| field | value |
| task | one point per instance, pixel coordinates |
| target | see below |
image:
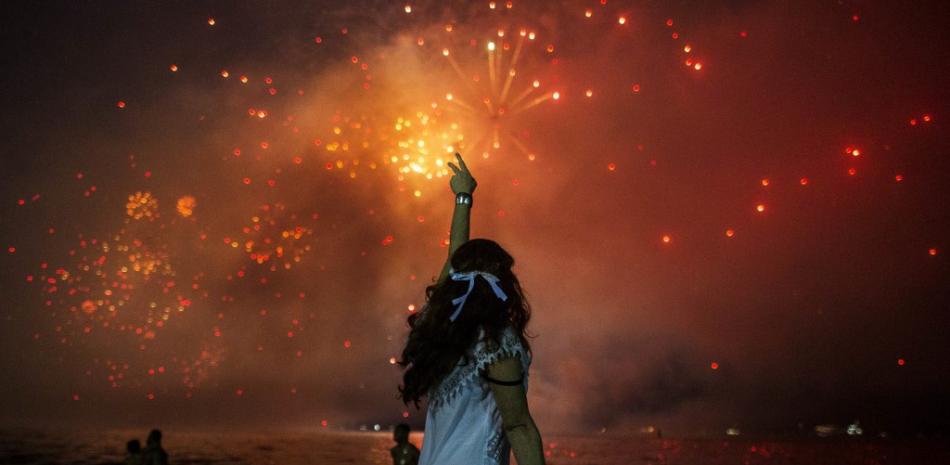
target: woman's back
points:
(463, 424)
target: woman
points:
(468, 355)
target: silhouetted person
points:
(133, 454)
(404, 452)
(468, 353)
(154, 454)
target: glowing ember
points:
(142, 205)
(186, 206)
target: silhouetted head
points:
(436, 343)
(154, 438)
(133, 446)
(401, 433)
(482, 255)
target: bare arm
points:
(462, 181)
(512, 403)
(461, 219)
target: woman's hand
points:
(462, 180)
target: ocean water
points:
(48, 447)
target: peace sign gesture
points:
(462, 181)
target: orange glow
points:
(186, 206)
(142, 205)
(125, 286)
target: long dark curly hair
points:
(437, 344)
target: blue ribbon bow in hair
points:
(470, 276)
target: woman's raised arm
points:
(463, 185)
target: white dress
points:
(463, 424)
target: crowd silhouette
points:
(153, 454)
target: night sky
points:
(726, 215)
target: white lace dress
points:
(463, 424)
